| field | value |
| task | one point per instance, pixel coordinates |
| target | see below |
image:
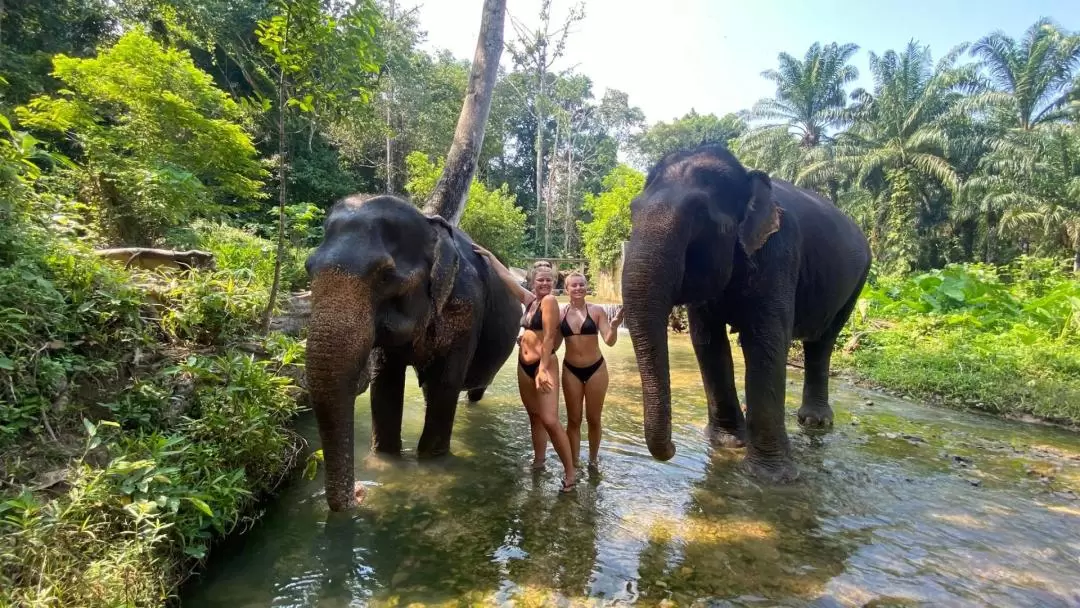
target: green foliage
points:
(176, 445)
(491, 217)
(325, 59)
(1003, 339)
(691, 130)
(604, 234)
(122, 530)
(159, 143)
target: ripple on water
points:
(901, 504)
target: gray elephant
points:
(773, 261)
(392, 287)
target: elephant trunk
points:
(340, 338)
(652, 273)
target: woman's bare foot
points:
(568, 484)
(538, 465)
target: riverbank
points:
(142, 416)
(1002, 340)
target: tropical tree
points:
(158, 142)
(1033, 77)
(809, 99)
(691, 130)
(897, 149)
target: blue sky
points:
(709, 54)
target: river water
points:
(901, 505)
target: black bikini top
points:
(588, 326)
(535, 322)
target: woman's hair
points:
(575, 273)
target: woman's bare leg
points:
(574, 394)
(595, 392)
(527, 389)
(547, 408)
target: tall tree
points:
(809, 93)
(536, 51)
(1035, 75)
(809, 100)
(318, 58)
(692, 129)
(448, 200)
(897, 146)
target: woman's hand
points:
(617, 318)
(543, 381)
(483, 252)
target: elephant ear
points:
(444, 268)
(762, 217)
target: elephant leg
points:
(815, 412)
(476, 394)
(727, 426)
(768, 453)
(441, 382)
(438, 420)
(387, 401)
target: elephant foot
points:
(818, 418)
(771, 471)
(662, 452)
(344, 501)
(723, 438)
(432, 450)
(476, 394)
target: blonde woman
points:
(586, 379)
(538, 367)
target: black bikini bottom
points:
(584, 373)
(530, 368)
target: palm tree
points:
(810, 96)
(1044, 188)
(809, 93)
(1034, 76)
(898, 147)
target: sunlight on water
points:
(901, 504)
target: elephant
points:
(773, 261)
(392, 287)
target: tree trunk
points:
(551, 192)
(1076, 256)
(448, 199)
(282, 167)
(539, 142)
(568, 220)
(390, 123)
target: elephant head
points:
(701, 214)
(383, 271)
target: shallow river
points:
(901, 505)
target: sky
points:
(673, 55)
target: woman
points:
(586, 379)
(538, 367)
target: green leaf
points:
(200, 505)
(6, 364)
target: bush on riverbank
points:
(1001, 339)
(136, 421)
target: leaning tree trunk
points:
(448, 199)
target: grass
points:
(1005, 340)
(140, 417)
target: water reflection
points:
(900, 505)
